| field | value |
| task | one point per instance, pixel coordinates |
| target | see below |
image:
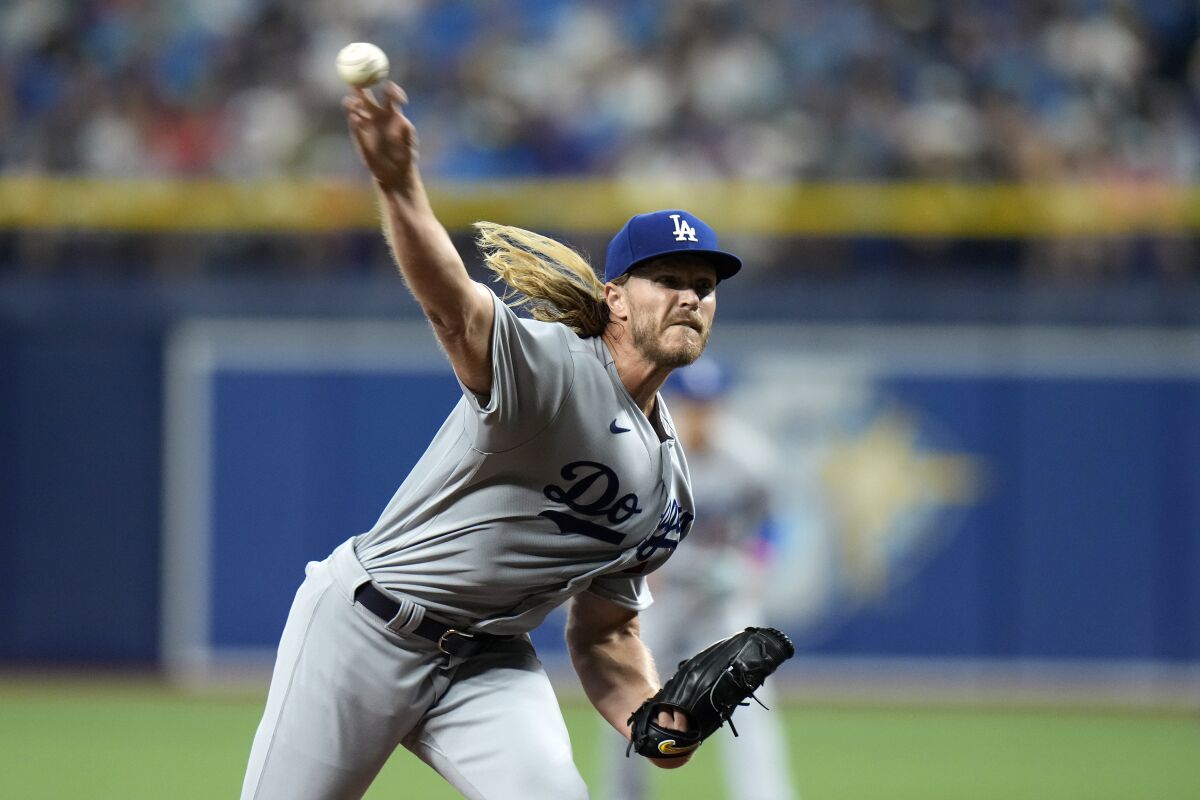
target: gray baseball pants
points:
(346, 691)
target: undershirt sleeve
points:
(627, 591)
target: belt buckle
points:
(441, 642)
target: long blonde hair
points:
(553, 281)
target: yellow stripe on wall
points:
(896, 209)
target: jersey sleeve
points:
(627, 591)
(532, 370)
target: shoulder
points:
(530, 340)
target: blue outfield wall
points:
(80, 447)
(301, 461)
(1080, 538)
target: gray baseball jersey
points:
(554, 484)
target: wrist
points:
(407, 190)
(670, 763)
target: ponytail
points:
(554, 282)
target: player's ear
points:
(614, 298)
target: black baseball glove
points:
(708, 687)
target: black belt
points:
(449, 640)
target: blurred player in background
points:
(715, 583)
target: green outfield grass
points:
(132, 741)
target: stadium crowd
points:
(775, 90)
(859, 89)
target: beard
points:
(647, 338)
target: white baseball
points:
(362, 64)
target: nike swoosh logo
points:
(669, 748)
(613, 427)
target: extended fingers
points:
(393, 92)
(364, 100)
(356, 110)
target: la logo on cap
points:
(661, 233)
(683, 231)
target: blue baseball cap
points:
(703, 381)
(662, 233)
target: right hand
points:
(386, 139)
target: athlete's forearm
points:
(424, 254)
(387, 142)
(460, 309)
(616, 672)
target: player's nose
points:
(689, 298)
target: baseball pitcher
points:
(557, 477)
